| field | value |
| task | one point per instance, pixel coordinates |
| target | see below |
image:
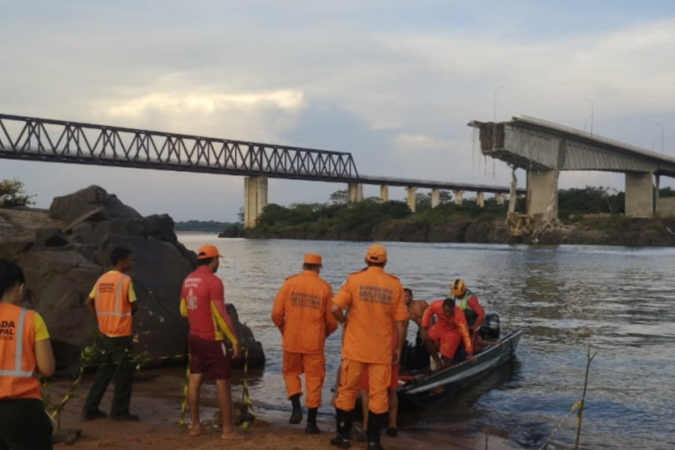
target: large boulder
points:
(94, 203)
(63, 263)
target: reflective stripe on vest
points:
(17, 372)
(118, 296)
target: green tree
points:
(12, 194)
(339, 197)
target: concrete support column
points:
(458, 197)
(411, 197)
(541, 186)
(255, 199)
(639, 194)
(355, 191)
(480, 199)
(435, 197)
(501, 198)
(384, 193)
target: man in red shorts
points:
(447, 333)
(203, 303)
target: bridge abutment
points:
(255, 199)
(435, 197)
(480, 199)
(384, 193)
(411, 197)
(355, 192)
(639, 194)
(542, 186)
(459, 196)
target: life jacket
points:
(113, 309)
(17, 353)
(470, 315)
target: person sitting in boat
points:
(445, 335)
(416, 308)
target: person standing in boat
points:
(376, 311)
(302, 312)
(469, 304)
(446, 334)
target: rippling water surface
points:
(620, 300)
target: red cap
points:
(376, 253)
(208, 251)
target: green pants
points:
(24, 425)
(116, 365)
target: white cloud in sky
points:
(394, 83)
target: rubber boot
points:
(375, 424)
(312, 428)
(296, 415)
(344, 428)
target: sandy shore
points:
(157, 400)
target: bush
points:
(12, 194)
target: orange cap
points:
(313, 258)
(376, 253)
(208, 251)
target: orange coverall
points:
(375, 302)
(302, 313)
(448, 331)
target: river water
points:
(620, 300)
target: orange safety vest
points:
(17, 353)
(113, 309)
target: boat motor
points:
(489, 329)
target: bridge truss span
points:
(27, 138)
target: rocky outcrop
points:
(63, 263)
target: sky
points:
(393, 82)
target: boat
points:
(430, 389)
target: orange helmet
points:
(458, 288)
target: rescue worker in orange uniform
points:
(445, 335)
(302, 312)
(468, 303)
(376, 311)
(24, 351)
(113, 302)
(203, 303)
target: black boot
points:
(296, 415)
(344, 428)
(375, 424)
(312, 428)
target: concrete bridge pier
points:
(411, 197)
(459, 195)
(480, 199)
(355, 192)
(255, 199)
(541, 186)
(384, 193)
(435, 197)
(501, 198)
(639, 194)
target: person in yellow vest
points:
(113, 302)
(24, 350)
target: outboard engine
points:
(490, 329)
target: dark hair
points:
(204, 261)
(11, 275)
(311, 266)
(449, 303)
(376, 264)
(409, 291)
(119, 254)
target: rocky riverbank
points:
(597, 230)
(65, 249)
